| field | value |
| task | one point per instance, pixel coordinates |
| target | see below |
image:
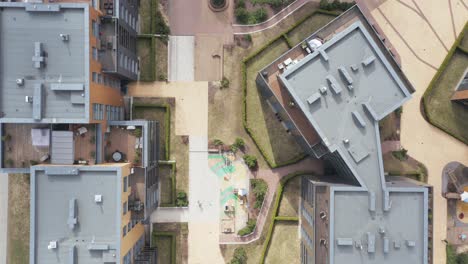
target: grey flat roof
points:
(362, 88)
(53, 70)
(53, 190)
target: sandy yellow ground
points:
(421, 32)
(191, 103)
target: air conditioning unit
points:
(28, 99)
(20, 81)
(98, 198)
(65, 37)
(52, 245)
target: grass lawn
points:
(146, 59)
(180, 231)
(285, 244)
(163, 245)
(18, 218)
(166, 184)
(289, 205)
(309, 26)
(179, 151)
(388, 127)
(161, 59)
(278, 145)
(221, 110)
(145, 16)
(445, 114)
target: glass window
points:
(129, 226)
(94, 76)
(95, 53)
(125, 183)
(125, 208)
(124, 231)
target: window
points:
(125, 183)
(94, 76)
(98, 111)
(129, 226)
(95, 53)
(94, 4)
(95, 28)
(124, 231)
(125, 209)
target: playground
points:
(234, 177)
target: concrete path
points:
(170, 215)
(181, 58)
(204, 206)
(192, 120)
(3, 217)
(420, 31)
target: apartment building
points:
(330, 92)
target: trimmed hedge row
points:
(442, 67)
(173, 243)
(287, 218)
(173, 184)
(271, 163)
(278, 198)
(167, 124)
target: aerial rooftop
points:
(79, 208)
(44, 73)
(344, 88)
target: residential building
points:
(330, 92)
(64, 119)
(87, 214)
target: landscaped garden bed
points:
(438, 108)
(170, 240)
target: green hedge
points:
(173, 184)
(279, 196)
(244, 63)
(167, 122)
(287, 218)
(173, 242)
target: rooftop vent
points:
(72, 214)
(323, 90)
(382, 230)
(98, 198)
(28, 99)
(323, 215)
(346, 141)
(20, 81)
(64, 37)
(410, 243)
(38, 59)
(52, 245)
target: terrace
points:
(127, 141)
(26, 145)
(137, 196)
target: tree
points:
(250, 160)
(259, 15)
(181, 200)
(224, 83)
(239, 257)
(239, 142)
(242, 15)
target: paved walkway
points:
(272, 21)
(390, 145)
(272, 178)
(3, 217)
(181, 58)
(422, 51)
(170, 215)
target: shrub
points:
(6, 137)
(137, 132)
(234, 148)
(224, 83)
(250, 160)
(162, 77)
(218, 142)
(399, 111)
(251, 223)
(400, 154)
(259, 189)
(242, 15)
(248, 37)
(160, 25)
(240, 4)
(335, 5)
(239, 142)
(182, 200)
(240, 256)
(259, 15)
